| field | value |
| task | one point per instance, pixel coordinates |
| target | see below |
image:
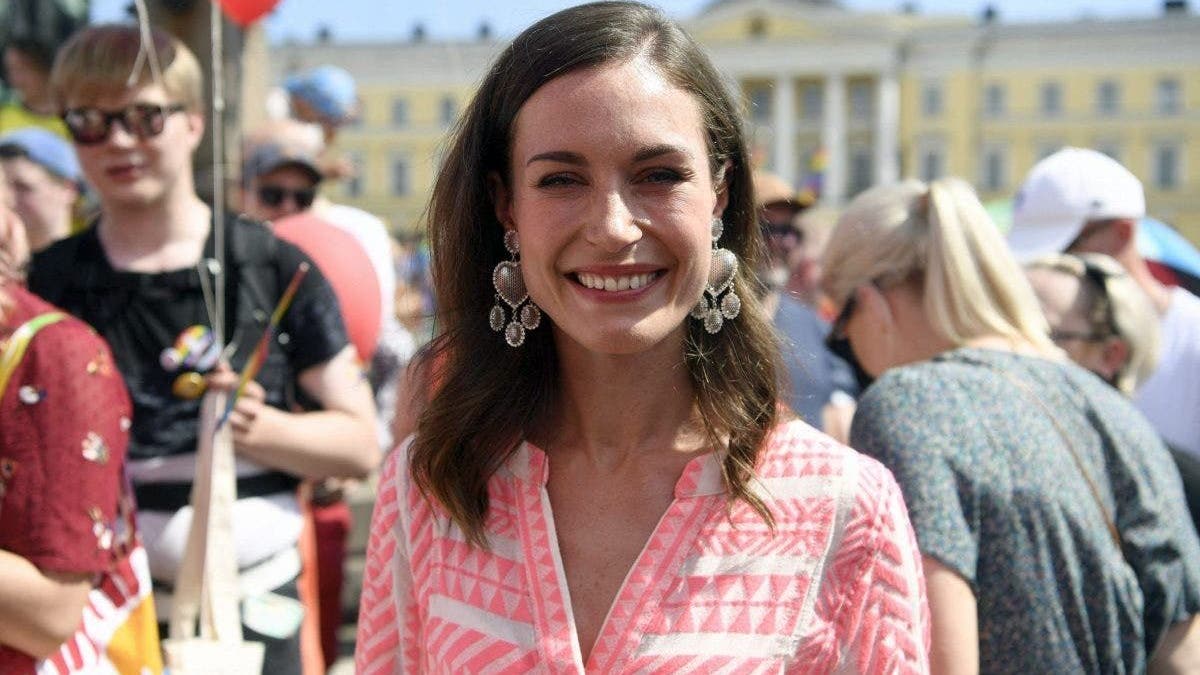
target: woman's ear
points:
(1114, 356)
(876, 304)
(721, 187)
(501, 200)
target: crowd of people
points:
(662, 412)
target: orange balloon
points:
(344, 263)
(246, 12)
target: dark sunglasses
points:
(273, 196)
(780, 230)
(837, 330)
(1104, 324)
(89, 126)
(839, 344)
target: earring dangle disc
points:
(719, 303)
(511, 291)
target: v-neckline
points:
(700, 478)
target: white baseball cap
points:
(1064, 192)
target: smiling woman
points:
(615, 487)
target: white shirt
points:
(1171, 397)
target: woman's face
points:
(1065, 307)
(612, 197)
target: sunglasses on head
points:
(89, 126)
(1102, 321)
(779, 230)
(273, 196)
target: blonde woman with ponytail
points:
(1050, 519)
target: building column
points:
(887, 128)
(833, 140)
(783, 124)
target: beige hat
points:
(771, 189)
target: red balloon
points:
(246, 12)
(344, 263)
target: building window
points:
(995, 172)
(860, 170)
(1108, 98)
(931, 99)
(760, 103)
(932, 165)
(1168, 96)
(448, 111)
(812, 101)
(757, 27)
(860, 100)
(1166, 166)
(354, 182)
(401, 184)
(995, 100)
(1050, 98)
(1047, 148)
(400, 113)
(1109, 148)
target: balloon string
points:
(216, 21)
(147, 52)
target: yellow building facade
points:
(845, 99)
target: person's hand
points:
(250, 418)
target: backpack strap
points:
(18, 343)
(252, 285)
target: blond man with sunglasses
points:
(144, 275)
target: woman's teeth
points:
(603, 282)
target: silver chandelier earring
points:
(510, 289)
(719, 303)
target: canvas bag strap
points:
(1074, 451)
(18, 343)
(206, 588)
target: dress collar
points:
(701, 476)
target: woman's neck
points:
(617, 408)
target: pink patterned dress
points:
(836, 587)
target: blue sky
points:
(394, 19)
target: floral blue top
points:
(995, 494)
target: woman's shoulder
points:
(797, 455)
(60, 342)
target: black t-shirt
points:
(141, 315)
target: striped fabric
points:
(837, 587)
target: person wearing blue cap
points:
(325, 95)
(43, 174)
(327, 98)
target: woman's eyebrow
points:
(660, 150)
(564, 156)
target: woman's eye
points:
(663, 176)
(557, 180)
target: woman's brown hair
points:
(487, 394)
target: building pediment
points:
(782, 20)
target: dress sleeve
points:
(910, 424)
(884, 624)
(1158, 540)
(388, 623)
(76, 410)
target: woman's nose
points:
(614, 226)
